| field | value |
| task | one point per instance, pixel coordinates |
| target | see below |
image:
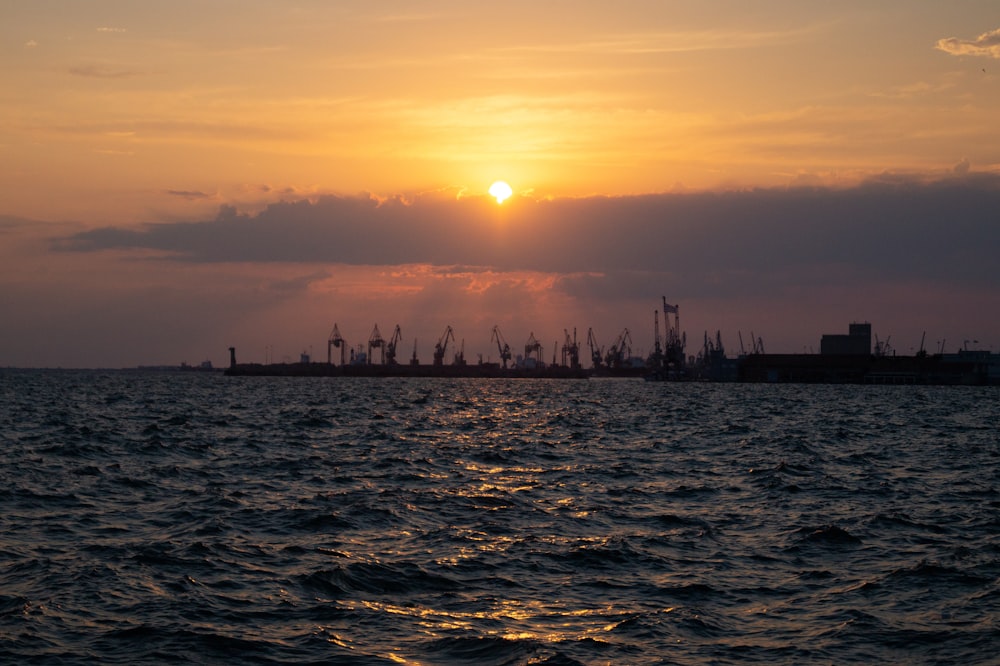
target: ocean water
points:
(196, 518)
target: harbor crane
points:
(713, 348)
(668, 359)
(442, 345)
(655, 359)
(571, 351)
(657, 345)
(390, 347)
(336, 340)
(620, 350)
(596, 351)
(502, 347)
(675, 341)
(533, 346)
(882, 347)
(376, 341)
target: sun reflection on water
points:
(548, 622)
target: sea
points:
(194, 518)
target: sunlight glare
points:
(500, 191)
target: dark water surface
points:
(165, 518)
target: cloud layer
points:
(986, 44)
(891, 229)
(785, 264)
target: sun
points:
(500, 191)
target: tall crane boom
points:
(533, 346)
(442, 345)
(596, 351)
(657, 347)
(571, 351)
(502, 347)
(390, 347)
(674, 341)
(620, 350)
(335, 340)
(376, 341)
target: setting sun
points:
(500, 191)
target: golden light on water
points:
(532, 620)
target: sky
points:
(177, 179)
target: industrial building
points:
(858, 341)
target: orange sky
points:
(124, 114)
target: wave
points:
(202, 518)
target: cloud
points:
(30, 44)
(12, 222)
(190, 194)
(102, 72)
(786, 264)
(659, 42)
(299, 283)
(986, 44)
(109, 29)
(175, 130)
(889, 229)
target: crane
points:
(657, 346)
(713, 348)
(571, 351)
(336, 340)
(502, 347)
(375, 341)
(442, 345)
(882, 347)
(533, 346)
(655, 360)
(390, 347)
(675, 341)
(620, 350)
(596, 351)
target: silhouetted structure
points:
(843, 359)
(858, 341)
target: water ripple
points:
(189, 517)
